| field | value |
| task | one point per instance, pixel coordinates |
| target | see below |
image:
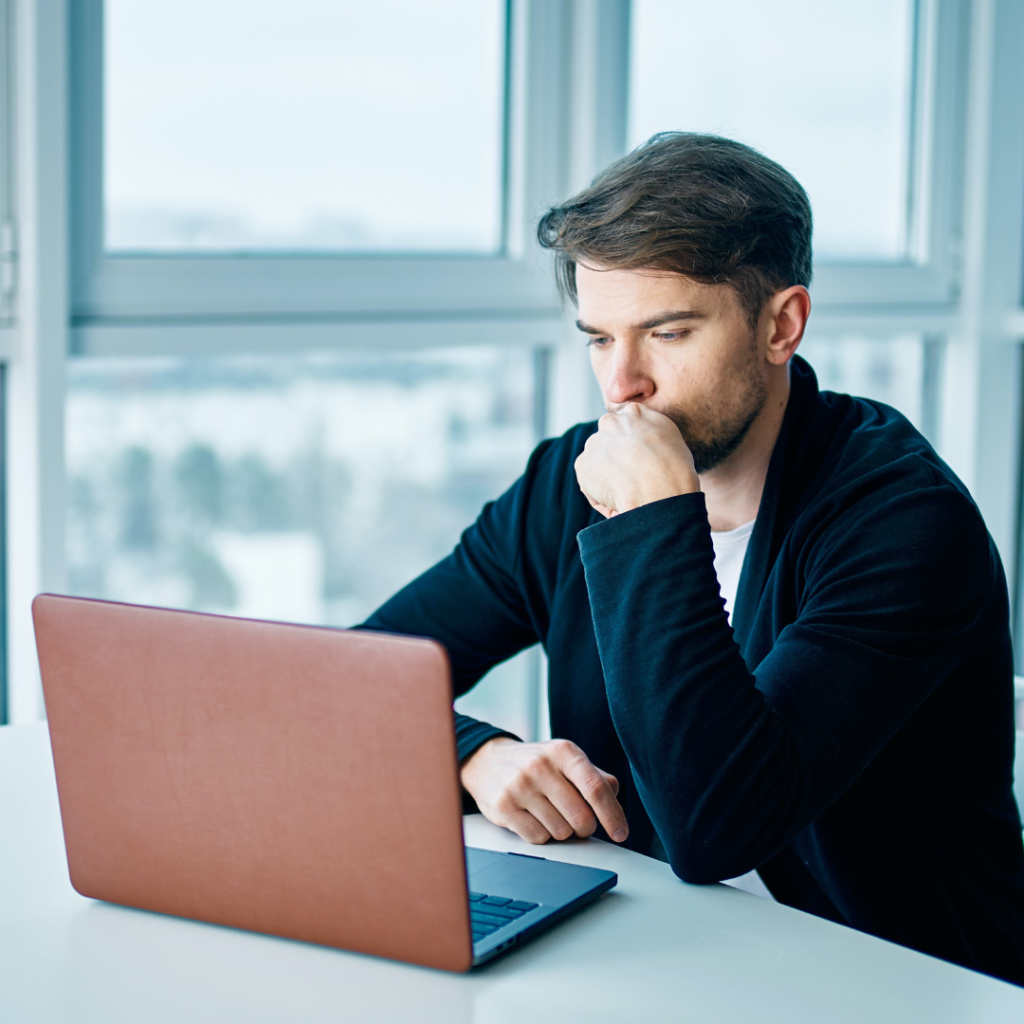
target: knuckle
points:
(506, 804)
(518, 791)
(582, 820)
(587, 828)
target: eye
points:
(598, 340)
(672, 335)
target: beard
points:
(711, 435)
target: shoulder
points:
(893, 512)
(881, 455)
(837, 448)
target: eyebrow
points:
(668, 317)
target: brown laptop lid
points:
(285, 779)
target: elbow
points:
(697, 867)
(711, 843)
(707, 860)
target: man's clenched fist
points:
(637, 456)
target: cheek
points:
(704, 386)
(725, 371)
(687, 379)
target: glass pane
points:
(889, 370)
(822, 88)
(304, 125)
(294, 489)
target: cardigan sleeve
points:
(732, 764)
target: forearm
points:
(715, 766)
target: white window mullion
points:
(35, 413)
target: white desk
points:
(653, 949)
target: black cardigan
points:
(851, 736)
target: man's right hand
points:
(543, 790)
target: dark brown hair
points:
(700, 205)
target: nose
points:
(627, 379)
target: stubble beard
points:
(712, 438)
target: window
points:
(320, 208)
(824, 89)
(304, 488)
(255, 126)
(318, 197)
(861, 102)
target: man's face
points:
(682, 348)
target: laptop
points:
(292, 780)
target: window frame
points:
(8, 282)
(133, 303)
(928, 280)
(128, 304)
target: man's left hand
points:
(637, 456)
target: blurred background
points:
(274, 325)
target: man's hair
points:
(700, 205)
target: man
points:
(838, 715)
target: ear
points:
(783, 322)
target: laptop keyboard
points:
(488, 914)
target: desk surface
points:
(653, 949)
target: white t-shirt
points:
(730, 548)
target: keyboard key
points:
(505, 912)
(489, 914)
(498, 922)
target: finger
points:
(550, 816)
(603, 509)
(554, 800)
(583, 483)
(611, 780)
(594, 503)
(526, 826)
(572, 808)
(599, 794)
